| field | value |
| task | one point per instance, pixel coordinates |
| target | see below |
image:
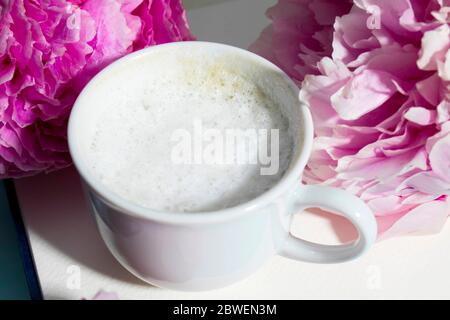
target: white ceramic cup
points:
(201, 251)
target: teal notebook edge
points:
(18, 277)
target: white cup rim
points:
(127, 207)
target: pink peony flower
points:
(381, 107)
(49, 50)
(377, 79)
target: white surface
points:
(64, 240)
(66, 243)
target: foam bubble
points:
(131, 150)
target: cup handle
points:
(338, 201)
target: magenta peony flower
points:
(301, 34)
(49, 50)
(381, 107)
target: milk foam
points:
(130, 151)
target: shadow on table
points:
(55, 209)
(69, 227)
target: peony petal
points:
(429, 183)
(430, 89)
(380, 168)
(444, 67)
(421, 116)
(419, 198)
(440, 159)
(385, 204)
(427, 218)
(325, 12)
(352, 35)
(399, 61)
(443, 112)
(114, 36)
(363, 93)
(435, 44)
